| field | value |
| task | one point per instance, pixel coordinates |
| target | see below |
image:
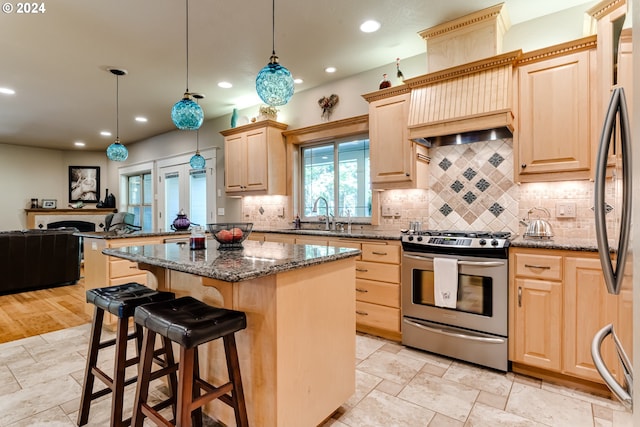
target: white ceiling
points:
(56, 61)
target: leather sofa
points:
(36, 259)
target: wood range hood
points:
(468, 94)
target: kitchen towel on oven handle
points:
(445, 282)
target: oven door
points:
(482, 292)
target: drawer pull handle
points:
(364, 291)
(543, 267)
(362, 270)
(133, 267)
(378, 253)
(519, 296)
(362, 313)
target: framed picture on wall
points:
(49, 204)
(84, 184)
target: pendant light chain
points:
(273, 26)
(187, 38)
(117, 107)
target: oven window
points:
(475, 293)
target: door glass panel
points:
(171, 198)
(198, 196)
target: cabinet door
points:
(390, 148)
(587, 308)
(256, 160)
(554, 124)
(234, 162)
(538, 323)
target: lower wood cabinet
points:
(558, 301)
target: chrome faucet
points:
(315, 209)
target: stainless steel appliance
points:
(473, 327)
(615, 143)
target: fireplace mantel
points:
(39, 218)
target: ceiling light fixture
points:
(7, 91)
(298, 81)
(274, 83)
(330, 69)
(105, 133)
(197, 161)
(370, 26)
(141, 119)
(225, 85)
(116, 151)
(186, 113)
(79, 144)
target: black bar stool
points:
(120, 301)
(190, 323)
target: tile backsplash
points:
(471, 187)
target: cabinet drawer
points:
(378, 292)
(378, 272)
(381, 253)
(138, 278)
(378, 316)
(311, 241)
(346, 243)
(136, 242)
(539, 266)
(123, 267)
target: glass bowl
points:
(230, 235)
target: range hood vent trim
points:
(473, 97)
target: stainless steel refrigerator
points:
(612, 207)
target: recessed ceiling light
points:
(370, 26)
(330, 69)
(225, 85)
(105, 133)
(298, 81)
(7, 91)
(79, 144)
(141, 119)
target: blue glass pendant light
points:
(116, 151)
(274, 82)
(186, 113)
(197, 161)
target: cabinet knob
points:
(524, 165)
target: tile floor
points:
(41, 377)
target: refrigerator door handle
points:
(613, 276)
(623, 393)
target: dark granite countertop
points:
(561, 243)
(255, 259)
(108, 235)
(355, 233)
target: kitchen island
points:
(298, 351)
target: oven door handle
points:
(467, 263)
(450, 333)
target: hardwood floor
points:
(32, 313)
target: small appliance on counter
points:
(537, 228)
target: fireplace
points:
(83, 226)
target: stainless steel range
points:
(455, 295)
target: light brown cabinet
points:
(558, 302)
(255, 159)
(555, 138)
(396, 161)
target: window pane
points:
(148, 195)
(147, 219)
(318, 178)
(172, 199)
(354, 189)
(134, 190)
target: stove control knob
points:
(410, 238)
(494, 242)
(419, 238)
(482, 242)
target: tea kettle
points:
(537, 228)
(181, 223)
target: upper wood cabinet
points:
(255, 159)
(556, 132)
(396, 162)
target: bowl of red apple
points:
(230, 235)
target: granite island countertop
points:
(255, 259)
